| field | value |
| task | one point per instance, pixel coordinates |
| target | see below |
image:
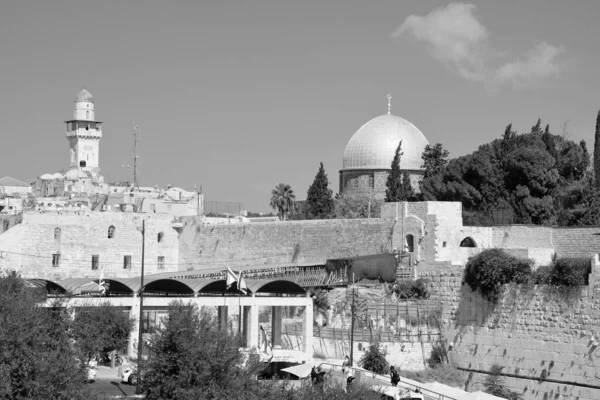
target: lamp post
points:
(138, 389)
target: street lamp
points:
(138, 389)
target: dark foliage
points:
(439, 354)
(357, 205)
(435, 158)
(37, 360)
(319, 198)
(489, 270)
(374, 359)
(597, 152)
(102, 328)
(418, 289)
(529, 174)
(394, 188)
(571, 271)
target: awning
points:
(377, 266)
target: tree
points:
(357, 205)
(374, 359)
(597, 152)
(393, 191)
(37, 360)
(494, 385)
(537, 128)
(408, 193)
(282, 200)
(101, 328)
(319, 199)
(435, 158)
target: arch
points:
(468, 242)
(50, 286)
(160, 237)
(409, 243)
(274, 286)
(111, 232)
(57, 232)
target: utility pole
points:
(352, 309)
(136, 139)
(138, 389)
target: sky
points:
(238, 96)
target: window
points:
(56, 260)
(160, 236)
(82, 163)
(87, 115)
(95, 261)
(410, 243)
(161, 262)
(111, 232)
(126, 262)
(6, 224)
(57, 234)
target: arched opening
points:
(160, 237)
(82, 163)
(468, 242)
(409, 244)
(57, 232)
(111, 232)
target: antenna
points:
(389, 96)
(136, 139)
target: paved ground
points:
(107, 382)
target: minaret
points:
(84, 134)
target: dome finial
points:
(389, 96)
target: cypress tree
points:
(393, 191)
(597, 153)
(319, 198)
(537, 128)
(547, 128)
(408, 194)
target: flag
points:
(242, 287)
(231, 277)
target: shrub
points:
(494, 385)
(374, 359)
(571, 271)
(542, 275)
(439, 354)
(489, 270)
(446, 374)
(418, 289)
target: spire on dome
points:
(84, 95)
(389, 96)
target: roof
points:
(373, 146)
(9, 181)
(84, 95)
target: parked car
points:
(130, 375)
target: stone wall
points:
(301, 242)
(545, 339)
(29, 246)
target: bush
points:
(571, 271)
(374, 359)
(439, 354)
(489, 270)
(446, 374)
(542, 275)
(418, 289)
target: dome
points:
(84, 95)
(374, 144)
(75, 174)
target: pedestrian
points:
(394, 376)
(349, 381)
(345, 364)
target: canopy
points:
(301, 371)
(377, 266)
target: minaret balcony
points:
(82, 132)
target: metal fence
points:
(222, 207)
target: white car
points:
(91, 370)
(130, 375)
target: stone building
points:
(369, 153)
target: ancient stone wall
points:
(301, 242)
(546, 339)
(29, 247)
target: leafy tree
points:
(36, 358)
(319, 199)
(374, 359)
(101, 328)
(394, 191)
(597, 152)
(282, 200)
(357, 205)
(435, 158)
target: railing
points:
(382, 380)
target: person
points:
(394, 376)
(313, 375)
(345, 364)
(349, 381)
